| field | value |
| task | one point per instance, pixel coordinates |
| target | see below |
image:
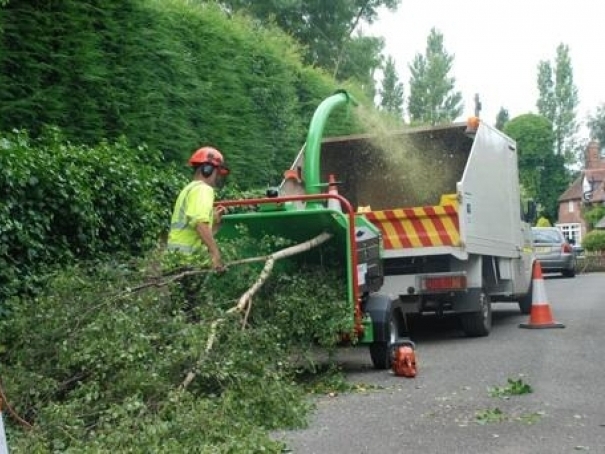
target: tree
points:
(502, 118)
(432, 97)
(542, 172)
(362, 56)
(596, 124)
(391, 95)
(558, 100)
(325, 27)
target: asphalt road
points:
(448, 407)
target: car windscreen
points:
(547, 236)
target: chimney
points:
(593, 156)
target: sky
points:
(497, 46)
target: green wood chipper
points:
(422, 220)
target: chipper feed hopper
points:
(303, 208)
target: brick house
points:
(588, 188)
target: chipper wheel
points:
(389, 328)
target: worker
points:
(195, 220)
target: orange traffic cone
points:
(540, 315)
(333, 204)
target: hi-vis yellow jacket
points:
(193, 205)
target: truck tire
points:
(380, 351)
(479, 323)
(526, 300)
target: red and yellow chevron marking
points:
(417, 227)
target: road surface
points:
(448, 407)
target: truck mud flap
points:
(468, 301)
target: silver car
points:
(553, 251)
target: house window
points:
(570, 206)
(572, 231)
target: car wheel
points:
(571, 271)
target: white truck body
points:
(447, 202)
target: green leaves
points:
(594, 241)
(490, 416)
(558, 101)
(542, 172)
(433, 98)
(169, 74)
(62, 201)
(96, 368)
(496, 415)
(391, 95)
(512, 388)
(596, 123)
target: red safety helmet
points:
(209, 156)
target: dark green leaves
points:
(62, 201)
(433, 98)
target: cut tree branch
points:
(245, 302)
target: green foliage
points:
(593, 215)
(97, 368)
(169, 74)
(558, 100)
(542, 172)
(391, 95)
(543, 222)
(63, 202)
(594, 241)
(432, 97)
(360, 58)
(490, 416)
(512, 388)
(502, 118)
(496, 415)
(326, 31)
(596, 124)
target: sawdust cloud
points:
(404, 170)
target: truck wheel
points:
(526, 300)
(478, 324)
(380, 351)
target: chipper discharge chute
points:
(307, 205)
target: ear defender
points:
(207, 169)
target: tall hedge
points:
(171, 74)
(63, 202)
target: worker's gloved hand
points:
(217, 264)
(219, 211)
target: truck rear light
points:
(442, 283)
(566, 248)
